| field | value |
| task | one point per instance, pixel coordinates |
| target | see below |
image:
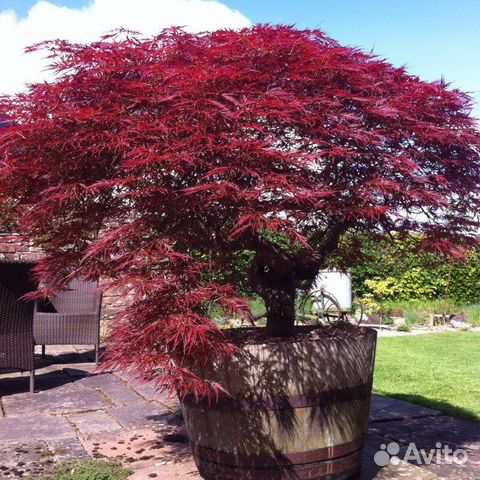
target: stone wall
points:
(11, 248)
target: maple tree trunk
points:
(271, 276)
(280, 303)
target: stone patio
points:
(75, 414)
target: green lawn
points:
(440, 371)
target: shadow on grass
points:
(439, 405)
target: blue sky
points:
(432, 37)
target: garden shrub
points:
(386, 289)
(412, 317)
(397, 271)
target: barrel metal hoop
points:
(277, 459)
(328, 397)
(337, 468)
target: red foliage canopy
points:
(154, 161)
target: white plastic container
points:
(337, 284)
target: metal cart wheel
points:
(319, 306)
(303, 309)
(328, 307)
(358, 317)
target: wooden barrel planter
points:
(297, 409)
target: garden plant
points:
(156, 163)
(393, 279)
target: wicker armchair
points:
(16, 318)
(72, 318)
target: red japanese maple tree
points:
(154, 161)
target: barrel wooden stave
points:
(251, 433)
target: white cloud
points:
(46, 21)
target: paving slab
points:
(121, 394)
(98, 380)
(57, 401)
(438, 468)
(113, 387)
(147, 391)
(33, 428)
(456, 432)
(429, 433)
(18, 459)
(144, 414)
(141, 448)
(402, 470)
(385, 408)
(78, 371)
(66, 450)
(93, 423)
(34, 458)
(169, 401)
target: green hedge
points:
(397, 271)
